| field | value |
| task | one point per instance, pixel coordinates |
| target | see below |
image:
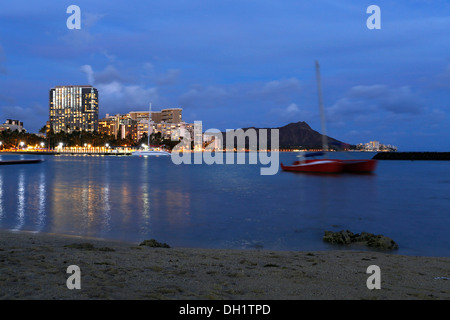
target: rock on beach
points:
(346, 237)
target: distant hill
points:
(294, 135)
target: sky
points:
(240, 63)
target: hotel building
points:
(12, 125)
(135, 123)
(73, 108)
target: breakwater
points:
(412, 156)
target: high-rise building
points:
(73, 108)
(135, 124)
(120, 126)
(172, 115)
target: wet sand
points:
(34, 266)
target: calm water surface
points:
(227, 206)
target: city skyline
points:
(233, 64)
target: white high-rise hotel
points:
(73, 108)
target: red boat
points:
(315, 166)
(328, 165)
(363, 166)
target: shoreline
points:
(34, 266)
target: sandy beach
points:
(34, 266)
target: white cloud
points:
(292, 108)
(112, 90)
(90, 19)
(89, 73)
(283, 85)
(115, 93)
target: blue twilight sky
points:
(240, 63)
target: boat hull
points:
(315, 166)
(363, 166)
(20, 161)
(150, 153)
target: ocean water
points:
(227, 206)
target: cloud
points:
(292, 108)
(275, 93)
(89, 73)
(2, 59)
(168, 78)
(83, 40)
(201, 96)
(28, 115)
(364, 101)
(109, 75)
(7, 99)
(291, 113)
(444, 77)
(116, 93)
(116, 97)
(281, 86)
(90, 19)
(279, 91)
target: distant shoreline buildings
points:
(375, 146)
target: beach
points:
(34, 266)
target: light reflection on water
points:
(2, 212)
(226, 206)
(20, 200)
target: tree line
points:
(13, 139)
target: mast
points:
(322, 112)
(149, 123)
